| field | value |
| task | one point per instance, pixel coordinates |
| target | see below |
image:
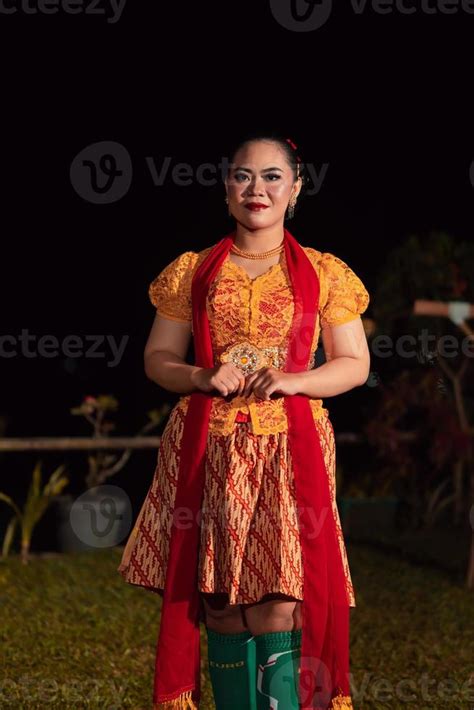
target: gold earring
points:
(291, 208)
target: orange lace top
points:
(259, 310)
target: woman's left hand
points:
(269, 380)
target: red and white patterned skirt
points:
(250, 545)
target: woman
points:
(240, 527)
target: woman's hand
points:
(226, 378)
(269, 380)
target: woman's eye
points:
(238, 176)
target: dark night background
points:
(384, 99)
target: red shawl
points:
(324, 664)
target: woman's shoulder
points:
(313, 254)
(318, 258)
(200, 255)
(325, 261)
(170, 290)
(185, 262)
(192, 258)
(343, 296)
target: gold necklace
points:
(257, 255)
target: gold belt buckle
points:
(249, 358)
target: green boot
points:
(278, 656)
(233, 670)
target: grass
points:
(73, 634)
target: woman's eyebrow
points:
(266, 170)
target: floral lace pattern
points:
(260, 310)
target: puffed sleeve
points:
(344, 296)
(170, 291)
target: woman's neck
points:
(258, 240)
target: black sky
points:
(383, 99)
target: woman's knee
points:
(224, 619)
(271, 616)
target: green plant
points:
(420, 427)
(103, 464)
(37, 501)
(424, 266)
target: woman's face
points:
(260, 175)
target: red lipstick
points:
(256, 206)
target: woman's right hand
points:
(226, 378)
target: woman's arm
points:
(347, 362)
(165, 354)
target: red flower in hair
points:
(295, 147)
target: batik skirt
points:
(249, 536)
